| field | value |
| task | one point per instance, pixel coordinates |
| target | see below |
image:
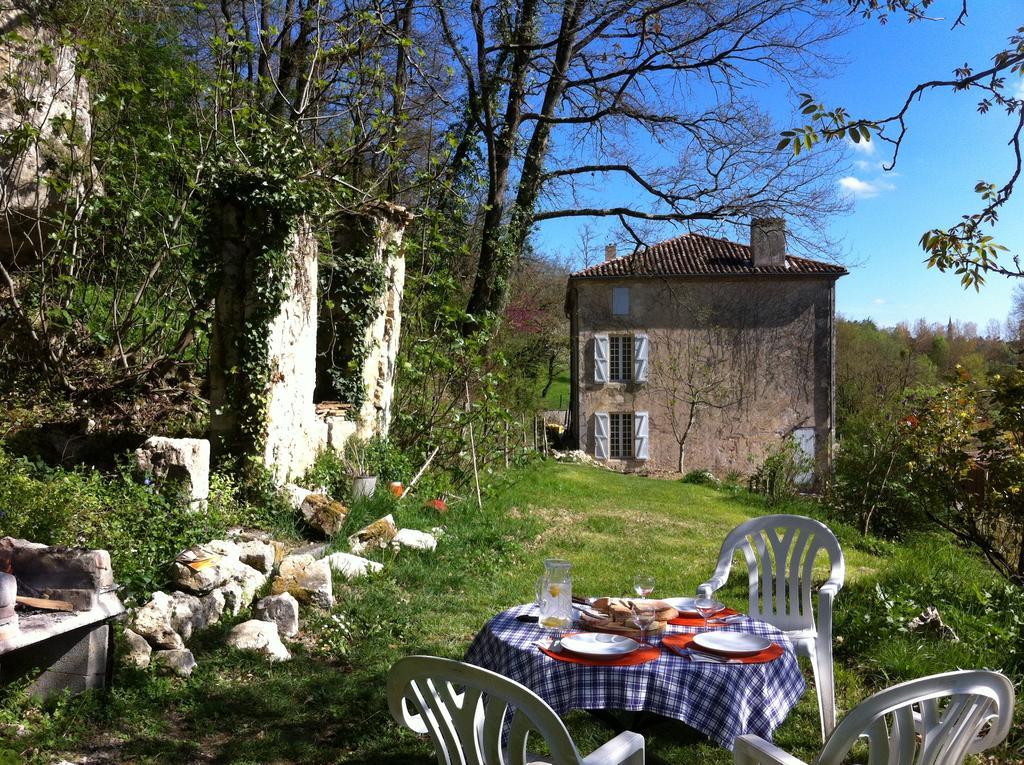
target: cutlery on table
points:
(693, 654)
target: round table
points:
(722, 701)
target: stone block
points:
(179, 662)
(259, 555)
(282, 610)
(260, 637)
(416, 540)
(138, 651)
(376, 535)
(153, 622)
(352, 566)
(307, 579)
(184, 459)
(324, 514)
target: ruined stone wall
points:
(762, 348)
(42, 94)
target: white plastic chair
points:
(909, 724)
(780, 552)
(467, 710)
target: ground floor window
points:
(621, 435)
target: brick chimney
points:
(768, 242)
(609, 252)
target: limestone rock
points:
(307, 579)
(178, 662)
(211, 577)
(231, 594)
(352, 566)
(186, 614)
(317, 550)
(377, 534)
(213, 607)
(249, 581)
(260, 555)
(416, 540)
(153, 622)
(139, 651)
(324, 514)
(296, 494)
(282, 610)
(184, 459)
(261, 637)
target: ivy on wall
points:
(352, 282)
(259, 195)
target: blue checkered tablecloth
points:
(722, 701)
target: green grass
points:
(331, 707)
(558, 393)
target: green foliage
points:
(143, 525)
(352, 284)
(776, 477)
(700, 477)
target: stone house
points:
(701, 353)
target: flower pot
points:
(363, 486)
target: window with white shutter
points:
(640, 437)
(620, 435)
(600, 359)
(601, 431)
(640, 352)
(620, 358)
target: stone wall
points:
(762, 348)
(44, 94)
(295, 432)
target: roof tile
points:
(699, 255)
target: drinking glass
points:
(643, 617)
(707, 607)
(643, 585)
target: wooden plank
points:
(44, 603)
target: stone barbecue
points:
(56, 608)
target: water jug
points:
(555, 595)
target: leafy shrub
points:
(776, 478)
(700, 477)
(142, 526)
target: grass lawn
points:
(328, 703)
(558, 393)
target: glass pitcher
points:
(555, 595)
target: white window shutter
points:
(640, 437)
(601, 436)
(640, 349)
(601, 359)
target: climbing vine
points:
(260, 193)
(352, 283)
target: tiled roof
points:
(698, 255)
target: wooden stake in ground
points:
(506, 443)
(472, 451)
(416, 477)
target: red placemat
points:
(680, 642)
(697, 621)
(640, 656)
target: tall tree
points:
(640, 111)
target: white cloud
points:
(1018, 92)
(867, 148)
(862, 188)
(879, 301)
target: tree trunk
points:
(682, 457)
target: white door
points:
(805, 442)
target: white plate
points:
(731, 643)
(599, 644)
(686, 608)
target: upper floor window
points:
(620, 301)
(620, 358)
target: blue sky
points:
(948, 149)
